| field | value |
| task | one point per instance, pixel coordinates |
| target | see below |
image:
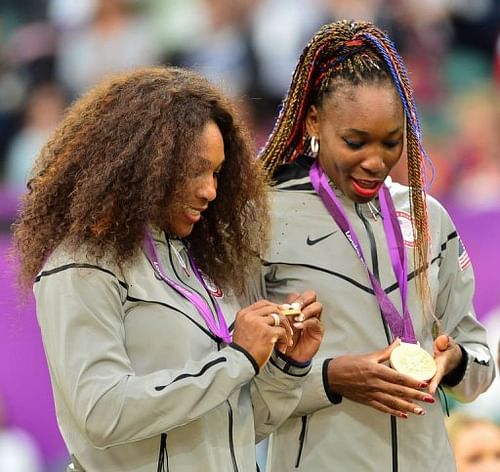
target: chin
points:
(179, 232)
(360, 199)
(184, 232)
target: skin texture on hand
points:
(366, 379)
(447, 354)
(307, 331)
(255, 332)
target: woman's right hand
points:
(365, 379)
(255, 330)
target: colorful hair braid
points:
(353, 53)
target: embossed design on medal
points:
(291, 309)
(410, 359)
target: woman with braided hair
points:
(385, 260)
(137, 211)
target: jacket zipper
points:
(376, 273)
(231, 438)
(302, 437)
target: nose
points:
(373, 164)
(207, 189)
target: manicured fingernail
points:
(297, 325)
(403, 415)
(419, 411)
(423, 385)
(429, 399)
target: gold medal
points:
(411, 359)
(292, 309)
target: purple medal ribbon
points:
(401, 326)
(221, 330)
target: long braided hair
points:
(353, 53)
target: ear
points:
(312, 121)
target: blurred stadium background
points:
(51, 51)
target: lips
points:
(194, 214)
(366, 188)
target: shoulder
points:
(441, 226)
(291, 187)
(67, 260)
(401, 197)
(293, 176)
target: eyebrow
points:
(202, 164)
(365, 133)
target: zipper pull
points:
(181, 261)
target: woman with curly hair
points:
(385, 259)
(136, 267)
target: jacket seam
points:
(166, 305)
(74, 265)
(186, 375)
(247, 355)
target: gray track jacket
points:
(131, 359)
(309, 251)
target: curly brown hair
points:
(121, 154)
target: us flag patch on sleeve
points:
(463, 256)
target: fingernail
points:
(290, 343)
(297, 325)
(403, 415)
(429, 399)
(423, 385)
(299, 317)
(419, 411)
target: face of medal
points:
(360, 131)
(290, 309)
(201, 186)
(412, 360)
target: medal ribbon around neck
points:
(401, 326)
(219, 329)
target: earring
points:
(314, 145)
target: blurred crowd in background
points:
(52, 51)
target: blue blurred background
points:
(51, 51)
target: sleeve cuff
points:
(335, 398)
(288, 365)
(456, 375)
(247, 355)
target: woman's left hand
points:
(447, 354)
(307, 330)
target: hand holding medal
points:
(448, 356)
(410, 359)
(304, 315)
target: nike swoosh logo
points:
(312, 242)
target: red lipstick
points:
(366, 189)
